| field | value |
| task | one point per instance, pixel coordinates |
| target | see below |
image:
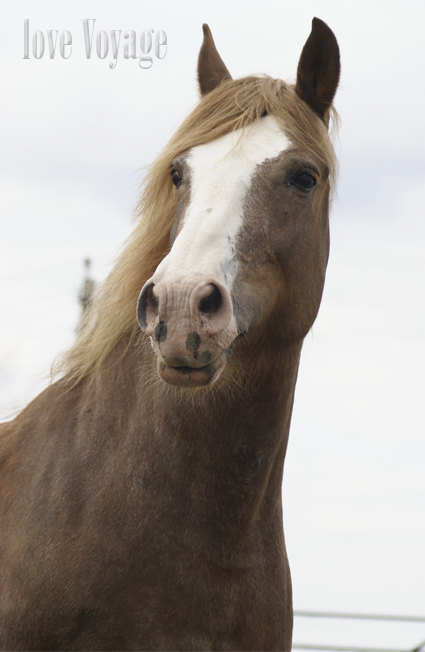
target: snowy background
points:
(76, 136)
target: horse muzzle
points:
(192, 329)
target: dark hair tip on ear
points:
(206, 29)
(319, 24)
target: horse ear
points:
(211, 69)
(318, 69)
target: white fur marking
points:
(221, 173)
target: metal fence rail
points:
(345, 648)
(356, 616)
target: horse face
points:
(246, 229)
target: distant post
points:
(86, 293)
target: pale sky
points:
(76, 136)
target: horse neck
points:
(220, 449)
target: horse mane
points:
(231, 106)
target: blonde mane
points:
(231, 106)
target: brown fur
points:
(136, 515)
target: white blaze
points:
(221, 173)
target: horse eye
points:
(176, 177)
(303, 181)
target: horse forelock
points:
(230, 107)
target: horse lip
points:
(191, 376)
(174, 371)
(179, 364)
(187, 370)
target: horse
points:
(140, 495)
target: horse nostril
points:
(211, 304)
(147, 307)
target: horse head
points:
(250, 239)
